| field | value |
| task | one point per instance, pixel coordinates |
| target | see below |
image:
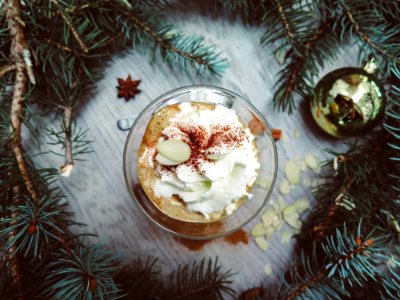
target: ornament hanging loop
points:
(370, 66)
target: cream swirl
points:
(223, 162)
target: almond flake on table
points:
(302, 204)
(269, 232)
(269, 217)
(267, 269)
(284, 187)
(293, 220)
(262, 243)
(289, 210)
(292, 172)
(297, 133)
(258, 230)
(311, 162)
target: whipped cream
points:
(223, 162)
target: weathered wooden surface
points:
(96, 189)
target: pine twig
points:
(66, 169)
(73, 29)
(61, 46)
(14, 268)
(319, 229)
(5, 69)
(167, 45)
(285, 22)
(333, 263)
(17, 106)
(365, 37)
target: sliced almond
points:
(267, 270)
(289, 210)
(311, 161)
(174, 150)
(269, 232)
(293, 220)
(268, 218)
(302, 204)
(284, 187)
(262, 243)
(166, 161)
(292, 172)
(258, 230)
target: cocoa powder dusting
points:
(200, 141)
(239, 236)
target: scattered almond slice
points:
(262, 243)
(293, 220)
(284, 187)
(269, 232)
(302, 204)
(267, 270)
(311, 162)
(292, 172)
(258, 230)
(285, 237)
(303, 166)
(174, 150)
(296, 133)
(289, 210)
(268, 218)
(277, 224)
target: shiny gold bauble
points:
(348, 102)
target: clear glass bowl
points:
(267, 156)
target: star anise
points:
(127, 88)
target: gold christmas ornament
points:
(348, 101)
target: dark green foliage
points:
(85, 272)
(343, 260)
(202, 280)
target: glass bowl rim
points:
(177, 92)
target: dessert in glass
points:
(193, 165)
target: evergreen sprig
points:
(345, 259)
(85, 272)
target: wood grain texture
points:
(96, 189)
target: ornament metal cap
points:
(349, 101)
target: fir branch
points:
(178, 50)
(13, 260)
(282, 16)
(66, 169)
(84, 273)
(203, 280)
(365, 37)
(5, 69)
(17, 107)
(71, 26)
(349, 259)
